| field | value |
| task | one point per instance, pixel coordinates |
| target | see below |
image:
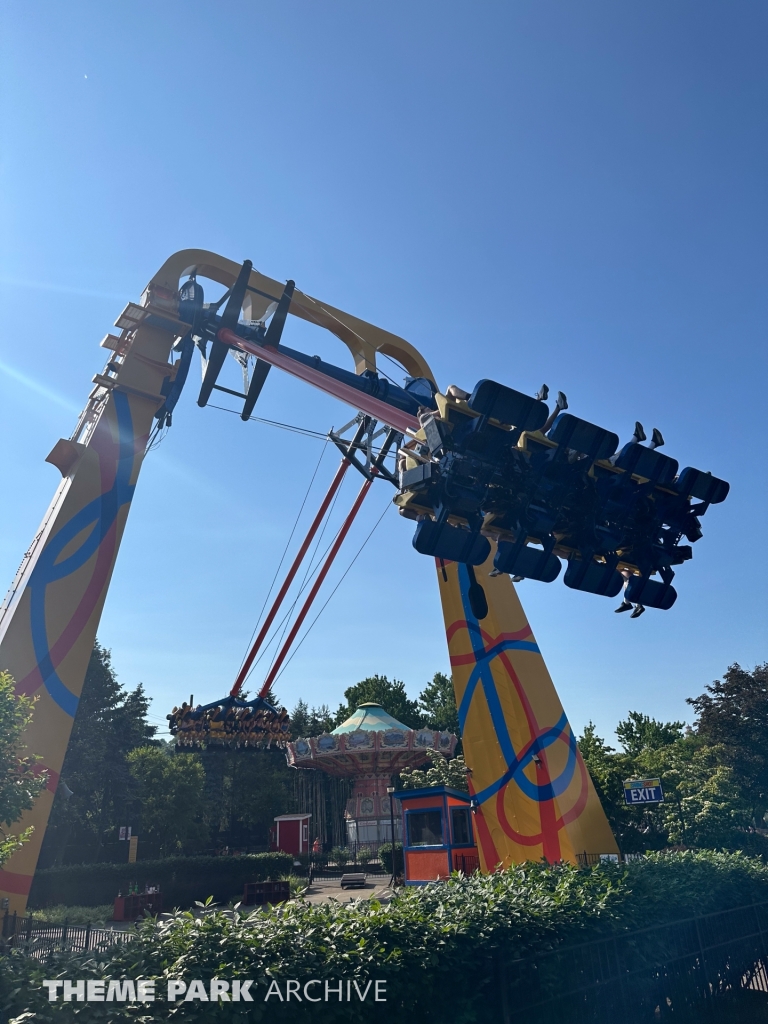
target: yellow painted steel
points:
(363, 340)
(532, 795)
(49, 619)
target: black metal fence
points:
(38, 938)
(672, 972)
(353, 857)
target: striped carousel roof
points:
(369, 717)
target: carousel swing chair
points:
(234, 722)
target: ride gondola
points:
(231, 722)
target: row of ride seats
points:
(570, 432)
(496, 401)
(492, 400)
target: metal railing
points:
(39, 938)
(587, 860)
(677, 971)
(362, 856)
(467, 863)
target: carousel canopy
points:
(369, 717)
(370, 742)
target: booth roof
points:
(369, 717)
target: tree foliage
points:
(638, 732)
(168, 791)
(20, 780)
(441, 772)
(244, 791)
(733, 715)
(98, 792)
(438, 704)
(434, 709)
(311, 721)
(391, 696)
(714, 774)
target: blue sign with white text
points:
(643, 791)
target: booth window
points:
(461, 826)
(425, 828)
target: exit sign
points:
(643, 791)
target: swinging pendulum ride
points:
(490, 492)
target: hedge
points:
(385, 853)
(435, 947)
(182, 880)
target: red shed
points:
(290, 833)
(438, 834)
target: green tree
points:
(702, 804)
(245, 790)
(20, 781)
(310, 721)
(733, 715)
(391, 696)
(438, 704)
(96, 797)
(170, 789)
(638, 732)
(442, 772)
(635, 830)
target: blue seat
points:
(507, 405)
(648, 462)
(594, 442)
(651, 593)
(532, 563)
(692, 483)
(450, 542)
(593, 577)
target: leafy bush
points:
(340, 856)
(182, 880)
(385, 855)
(20, 782)
(434, 946)
(74, 915)
(364, 857)
(442, 772)
(298, 885)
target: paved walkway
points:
(323, 889)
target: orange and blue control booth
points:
(438, 834)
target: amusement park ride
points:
(493, 496)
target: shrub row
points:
(435, 947)
(182, 880)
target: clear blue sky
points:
(529, 191)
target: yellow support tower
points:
(532, 795)
(49, 618)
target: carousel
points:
(369, 748)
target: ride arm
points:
(364, 340)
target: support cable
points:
(284, 622)
(335, 483)
(282, 557)
(313, 564)
(328, 599)
(318, 583)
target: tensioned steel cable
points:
(325, 605)
(305, 431)
(285, 621)
(310, 571)
(282, 557)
